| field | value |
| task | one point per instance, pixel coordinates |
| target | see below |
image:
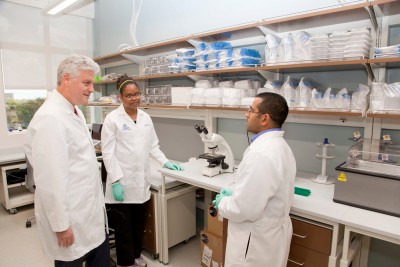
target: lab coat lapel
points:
(82, 121)
(69, 110)
(126, 117)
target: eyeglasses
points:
(136, 95)
(251, 110)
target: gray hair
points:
(75, 63)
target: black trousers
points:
(97, 257)
(127, 220)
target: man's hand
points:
(65, 238)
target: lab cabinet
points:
(13, 192)
(311, 243)
(149, 237)
(181, 205)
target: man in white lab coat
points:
(69, 200)
(259, 229)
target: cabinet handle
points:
(300, 236)
(295, 262)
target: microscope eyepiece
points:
(204, 129)
(198, 129)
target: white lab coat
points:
(68, 184)
(259, 208)
(126, 149)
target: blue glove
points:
(173, 166)
(118, 191)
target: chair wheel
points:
(28, 224)
(12, 211)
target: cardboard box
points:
(212, 249)
(216, 224)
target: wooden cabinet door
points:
(149, 237)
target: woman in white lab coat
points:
(259, 229)
(128, 141)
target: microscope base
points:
(211, 171)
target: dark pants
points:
(97, 257)
(127, 220)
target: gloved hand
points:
(226, 192)
(118, 191)
(173, 166)
(217, 200)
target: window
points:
(21, 105)
(32, 46)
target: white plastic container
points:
(180, 95)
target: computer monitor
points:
(96, 131)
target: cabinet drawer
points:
(313, 236)
(305, 257)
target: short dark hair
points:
(275, 105)
(123, 82)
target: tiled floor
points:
(20, 246)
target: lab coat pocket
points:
(83, 202)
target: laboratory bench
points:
(174, 201)
(348, 229)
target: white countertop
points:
(374, 222)
(7, 156)
(156, 178)
(192, 175)
(319, 204)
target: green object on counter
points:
(302, 191)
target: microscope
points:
(217, 162)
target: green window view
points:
(21, 105)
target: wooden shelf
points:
(162, 107)
(350, 12)
(316, 66)
(104, 105)
(110, 58)
(105, 82)
(155, 48)
(384, 115)
(391, 62)
(331, 112)
(325, 112)
(219, 108)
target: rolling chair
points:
(30, 185)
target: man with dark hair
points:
(260, 229)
